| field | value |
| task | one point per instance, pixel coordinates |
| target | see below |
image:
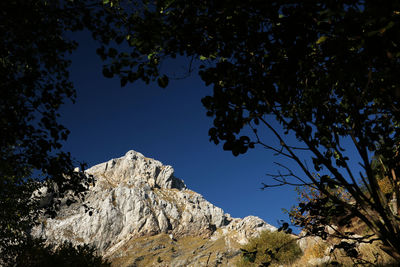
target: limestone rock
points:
(136, 197)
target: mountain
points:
(137, 213)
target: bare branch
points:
(278, 151)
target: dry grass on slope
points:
(160, 250)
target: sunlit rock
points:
(135, 197)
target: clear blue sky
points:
(169, 125)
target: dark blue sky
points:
(169, 125)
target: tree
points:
(327, 71)
(34, 80)
(37, 254)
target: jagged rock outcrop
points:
(138, 198)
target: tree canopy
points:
(327, 71)
(34, 82)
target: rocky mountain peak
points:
(136, 170)
(136, 198)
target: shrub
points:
(37, 254)
(270, 247)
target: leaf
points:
(149, 56)
(112, 52)
(124, 81)
(163, 81)
(107, 73)
(387, 27)
(322, 39)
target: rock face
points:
(139, 199)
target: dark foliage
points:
(36, 254)
(34, 83)
(327, 71)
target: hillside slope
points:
(139, 214)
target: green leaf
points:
(149, 56)
(336, 154)
(322, 39)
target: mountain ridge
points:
(134, 198)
